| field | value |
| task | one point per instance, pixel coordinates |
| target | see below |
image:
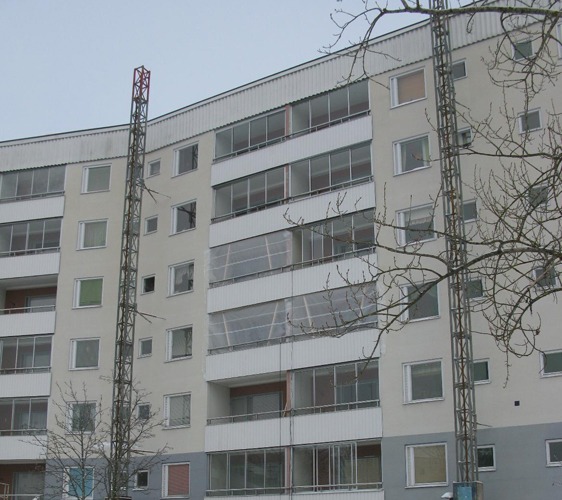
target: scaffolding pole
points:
(456, 248)
(127, 307)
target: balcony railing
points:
(294, 489)
(294, 412)
(25, 310)
(29, 251)
(22, 432)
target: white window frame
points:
(174, 218)
(77, 288)
(472, 279)
(149, 171)
(542, 361)
(142, 488)
(521, 116)
(73, 347)
(82, 233)
(165, 480)
(549, 461)
(406, 312)
(485, 381)
(467, 202)
(146, 220)
(170, 340)
(397, 146)
(407, 378)
(86, 178)
(514, 50)
(167, 399)
(461, 131)
(177, 159)
(172, 277)
(144, 278)
(66, 483)
(538, 272)
(559, 28)
(143, 405)
(401, 218)
(411, 471)
(487, 468)
(71, 416)
(140, 347)
(394, 88)
(457, 63)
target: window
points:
(179, 343)
(88, 292)
(426, 306)
(181, 278)
(30, 237)
(186, 159)
(82, 417)
(79, 483)
(426, 464)
(545, 277)
(481, 373)
(148, 283)
(84, 353)
(469, 211)
(529, 121)
(407, 88)
(486, 458)
(151, 224)
(23, 416)
(145, 347)
(551, 363)
(416, 225)
(25, 354)
(177, 410)
(92, 234)
(411, 154)
(153, 168)
(459, 70)
(175, 480)
(554, 452)
(538, 196)
(143, 411)
(183, 217)
(464, 138)
(522, 50)
(141, 480)
(95, 179)
(32, 183)
(422, 381)
(475, 288)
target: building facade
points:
(258, 202)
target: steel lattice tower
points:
(456, 247)
(127, 307)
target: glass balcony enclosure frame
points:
(23, 416)
(30, 354)
(30, 237)
(32, 183)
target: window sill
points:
(91, 248)
(554, 464)
(184, 231)
(486, 469)
(87, 307)
(550, 375)
(171, 428)
(179, 293)
(418, 242)
(428, 400)
(482, 382)
(399, 105)
(178, 359)
(432, 485)
(72, 369)
(425, 167)
(417, 320)
(184, 173)
(94, 192)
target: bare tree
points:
(77, 447)
(515, 243)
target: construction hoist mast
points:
(127, 307)
(456, 247)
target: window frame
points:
(394, 88)
(170, 343)
(174, 218)
(165, 478)
(71, 406)
(86, 179)
(549, 461)
(146, 339)
(458, 63)
(82, 233)
(144, 280)
(460, 133)
(77, 290)
(73, 348)
(140, 415)
(172, 276)
(66, 482)
(489, 468)
(405, 294)
(539, 271)
(149, 172)
(402, 228)
(543, 364)
(397, 147)
(142, 487)
(411, 466)
(516, 53)
(482, 381)
(147, 220)
(407, 382)
(522, 118)
(167, 398)
(195, 155)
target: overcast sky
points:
(68, 64)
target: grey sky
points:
(68, 64)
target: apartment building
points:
(239, 282)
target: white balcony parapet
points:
(334, 494)
(39, 264)
(33, 323)
(14, 448)
(18, 385)
(33, 208)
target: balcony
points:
(272, 494)
(42, 263)
(18, 447)
(23, 321)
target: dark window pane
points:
(40, 181)
(276, 125)
(56, 179)
(338, 104)
(25, 179)
(339, 167)
(358, 97)
(361, 162)
(240, 195)
(319, 173)
(275, 185)
(240, 139)
(319, 111)
(257, 190)
(258, 131)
